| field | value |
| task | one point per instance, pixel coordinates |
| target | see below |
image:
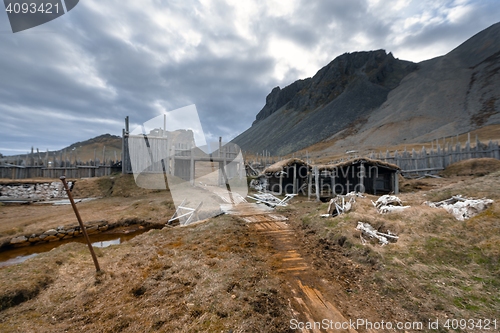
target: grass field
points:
(218, 276)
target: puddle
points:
(17, 260)
(102, 240)
(107, 243)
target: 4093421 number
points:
(471, 324)
(32, 8)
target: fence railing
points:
(438, 158)
(24, 172)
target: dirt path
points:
(309, 296)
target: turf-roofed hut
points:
(287, 176)
(361, 175)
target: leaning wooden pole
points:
(84, 231)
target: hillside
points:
(370, 98)
(104, 146)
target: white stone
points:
(18, 240)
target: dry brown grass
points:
(170, 280)
(472, 167)
(440, 267)
(121, 199)
(218, 276)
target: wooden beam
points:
(294, 190)
(396, 183)
(316, 181)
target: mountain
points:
(370, 98)
(106, 144)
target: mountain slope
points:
(371, 98)
(452, 94)
(107, 144)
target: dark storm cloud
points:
(78, 76)
(299, 32)
(226, 90)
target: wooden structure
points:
(72, 171)
(438, 156)
(174, 153)
(289, 176)
(359, 175)
(57, 164)
(53, 165)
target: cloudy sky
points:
(78, 76)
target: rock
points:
(92, 230)
(51, 238)
(34, 239)
(103, 228)
(51, 232)
(19, 240)
(279, 97)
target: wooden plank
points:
(316, 182)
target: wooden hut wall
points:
(285, 185)
(273, 182)
(378, 180)
(343, 179)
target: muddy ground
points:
(229, 275)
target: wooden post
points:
(281, 182)
(82, 227)
(224, 163)
(332, 183)
(361, 178)
(124, 153)
(294, 191)
(316, 182)
(309, 185)
(220, 180)
(396, 182)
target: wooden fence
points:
(24, 172)
(438, 158)
(55, 165)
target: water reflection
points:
(17, 260)
(114, 237)
(107, 243)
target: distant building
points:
(287, 176)
(360, 175)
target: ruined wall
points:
(33, 191)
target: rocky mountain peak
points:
(377, 67)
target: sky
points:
(80, 75)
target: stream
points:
(105, 239)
